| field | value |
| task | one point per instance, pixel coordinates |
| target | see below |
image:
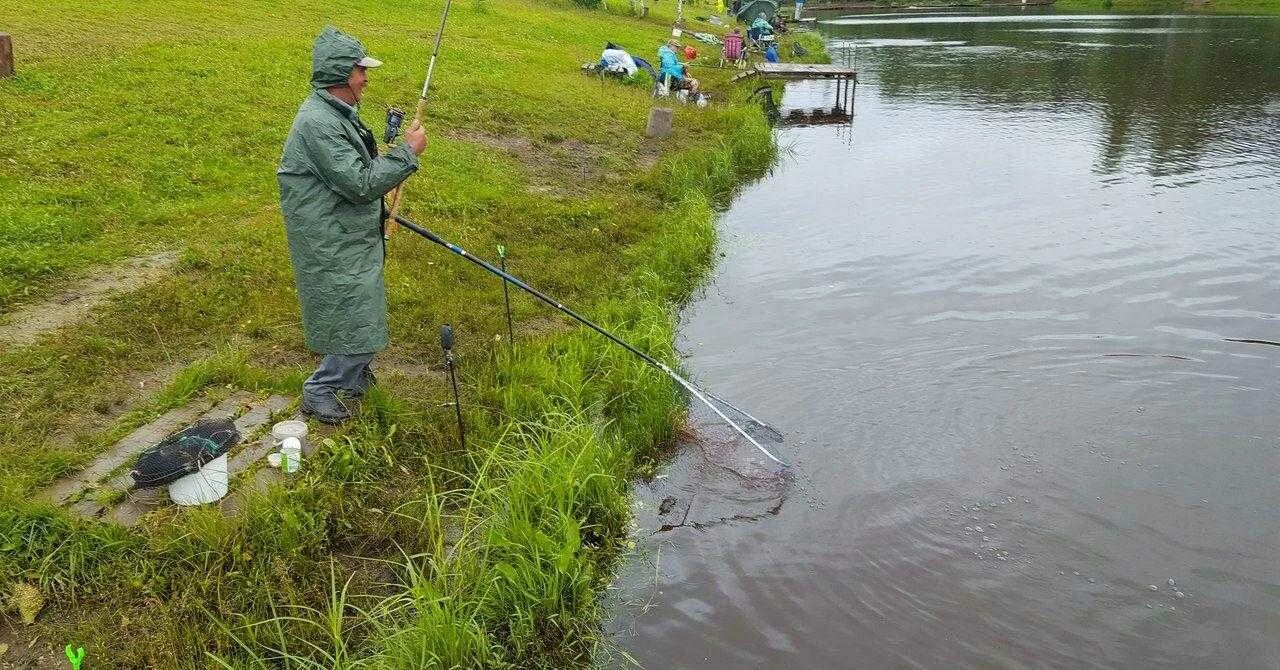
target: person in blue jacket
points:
(671, 69)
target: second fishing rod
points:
(704, 396)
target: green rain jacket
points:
(331, 187)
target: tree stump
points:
(6, 55)
(659, 122)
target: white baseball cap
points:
(369, 61)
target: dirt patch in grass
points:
(544, 324)
(22, 649)
(28, 323)
(139, 386)
(561, 165)
(650, 152)
(133, 391)
(280, 358)
(409, 370)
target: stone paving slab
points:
(261, 413)
(138, 503)
(249, 418)
(256, 418)
(250, 454)
(224, 410)
(132, 444)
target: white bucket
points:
(203, 487)
(291, 428)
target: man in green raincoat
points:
(332, 183)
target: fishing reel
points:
(395, 117)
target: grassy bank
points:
(135, 127)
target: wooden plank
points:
(6, 55)
(803, 70)
(797, 71)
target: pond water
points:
(1017, 317)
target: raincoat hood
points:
(333, 56)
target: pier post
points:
(6, 55)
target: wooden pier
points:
(798, 71)
(846, 78)
(863, 5)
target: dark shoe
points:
(330, 411)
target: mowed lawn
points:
(134, 127)
(138, 124)
(140, 127)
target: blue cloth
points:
(669, 64)
(644, 65)
(759, 28)
(771, 54)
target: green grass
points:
(137, 126)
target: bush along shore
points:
(150, 129)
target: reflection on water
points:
(1168, 86)
(1017, 317)
(1021, 17)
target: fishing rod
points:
(395, 117)
(689, 386)
(397, 196)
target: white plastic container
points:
(207, 485)
(291, 428)
(291, 455)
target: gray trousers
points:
(348, 374)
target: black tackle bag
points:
(184, 453)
